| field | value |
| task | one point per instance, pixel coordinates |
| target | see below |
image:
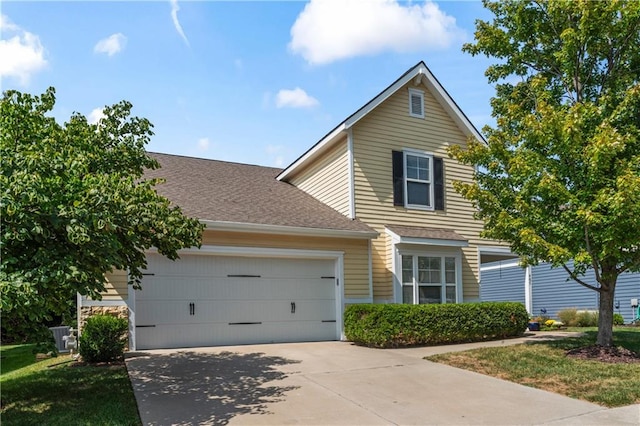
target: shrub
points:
(388, 326)
(618, 319)
(587, 319)
(103, 338)
(569, 317)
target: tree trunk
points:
(605, 317)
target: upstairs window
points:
(416, 103)
(418, 180)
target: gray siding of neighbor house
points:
(552, 291)
(502, 283)
(628, 288)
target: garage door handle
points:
(293, 307)
(192, 308)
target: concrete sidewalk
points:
(333, 383)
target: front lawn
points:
(544, 365)
(57, 391)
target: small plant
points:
(103, 339)
(618, 319)
(549, 323)
(569, 317)
(587, 319)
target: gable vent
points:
(416, 103)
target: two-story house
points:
(367, 214)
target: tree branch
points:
(573, 276)
(594, 261)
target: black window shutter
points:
(398, 177)
(438, 182)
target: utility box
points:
(58, 334)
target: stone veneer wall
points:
(116, 311)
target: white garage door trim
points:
(337, 256)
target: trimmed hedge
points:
(103, 338)
(396, 325)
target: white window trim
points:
(406, 179)
(397, 272)
(419, 93)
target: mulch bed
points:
(610, 354)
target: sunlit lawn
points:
(543, 365)
(56, 391)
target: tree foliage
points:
(75, 205)
(559, 176)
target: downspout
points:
(528, 289)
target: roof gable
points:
(420, 74)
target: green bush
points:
(390, 326)
(103, 338)
(569, 317)
(618, 319)
(587, 319)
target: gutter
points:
(287, 230)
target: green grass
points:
(57, 391)
(543, 365)
(15, 357)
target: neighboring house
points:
(546, 291)
(368, 214)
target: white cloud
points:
(296, 98)
(95, 115)
(326, 30)
(176, 23)
(111, 45)
(278, 161)
(203, 144)
(21, 55)
(275, 152)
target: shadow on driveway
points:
(205, 388)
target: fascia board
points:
(397, 239)
(312, 153)
(287, 230)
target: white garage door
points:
(203, 300)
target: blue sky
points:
(251, 82)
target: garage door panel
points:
(172, 312)
(236, 300)
(189, 335)
(189, 288)
(221, 266)
(265, 311)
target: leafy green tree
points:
(559, 177)
(75, 205)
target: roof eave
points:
(399, 239)
(259, 228)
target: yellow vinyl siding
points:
(356, 254)
(116, 287)
(328, 178)
(390, 127)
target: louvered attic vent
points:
(416, 103)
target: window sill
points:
(418, 207)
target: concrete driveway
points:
(333, 383)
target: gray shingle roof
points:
(231, 192)
(422, 232)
